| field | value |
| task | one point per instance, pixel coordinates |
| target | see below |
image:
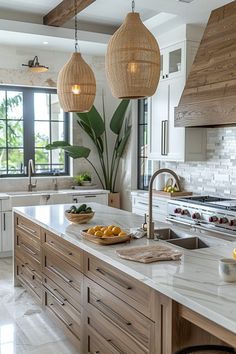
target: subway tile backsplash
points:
(216, 175)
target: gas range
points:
(209, 212)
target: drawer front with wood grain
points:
(96, 344)
(64, 249)
(119, 340)
(55, 306)
(27, 226)
(63, 274)
(119, 312)
(70, 305)
(30, 278)
(27, 249)
(130, 290)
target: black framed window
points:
(145, 166)
(30, 118)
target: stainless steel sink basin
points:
(190, 243)
(166, 234)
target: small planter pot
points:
(114, 200)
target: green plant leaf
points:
(119, 116)
(57, 145)
(77, 152)
(94, 120)
(123, 142)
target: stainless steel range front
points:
(207, 212)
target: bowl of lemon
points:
(106, 235)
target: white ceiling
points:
(159, 16)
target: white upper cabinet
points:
(165, 142)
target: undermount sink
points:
(166, 234)
(179, 238)
(190, 243)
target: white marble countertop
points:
(193, 281)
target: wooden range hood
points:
(209, 96)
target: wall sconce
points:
(35, 66)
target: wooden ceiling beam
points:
(64, 12)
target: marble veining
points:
(24, 327)
(193, 281)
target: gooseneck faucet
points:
(150, 226)
(30, 172)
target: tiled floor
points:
(24, 327)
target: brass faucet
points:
(150, 228)
(30, 172)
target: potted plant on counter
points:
(83, 179)
(95, 126)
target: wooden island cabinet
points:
(102, 309)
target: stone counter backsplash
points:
(215, 175)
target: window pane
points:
(15, 161)
(56, 110)
(2, 104)
(57, 131)
(145, 172)
(15, 133)
(41, 106)
(2, 133)
(3, 164)
(42, 134)
(143, 147)
(14, 105)
(42, 161)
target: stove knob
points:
(196, 216)
(177, 211)
(184, 212)
(223, 221)
(213, 218)
(232, 222)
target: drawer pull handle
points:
(109, 276)
(70, 254)
(28, 249)
(114, 313)
(53, 269)
(114, 346)
(56, 298)
(143, 203)
(63, 299)
(90, 196)
(22, 226)
(68, 324)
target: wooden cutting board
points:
(172, 195)
(149, 254)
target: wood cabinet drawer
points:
(64, 249)
(27, 226)
(27, 250)
(63, 274)
(128, 289)
(30, 278)
(70, 305)
(120, 313)
(54, 305)
(117, 339)
(95, 344)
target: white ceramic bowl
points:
(227, 270)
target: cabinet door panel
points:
(158, 113)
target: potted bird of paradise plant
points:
(95, 126)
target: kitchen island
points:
(110, 305)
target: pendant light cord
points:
(133, 6)
(76, 27)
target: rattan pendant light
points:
(133, 60)
(76, 85)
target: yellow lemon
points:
(234, 253)
(122, 233)
(110, 227)
(103, 229)
(108, 233)
(116, 230)
(97, 228)
(91, 231)
(98, 233)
